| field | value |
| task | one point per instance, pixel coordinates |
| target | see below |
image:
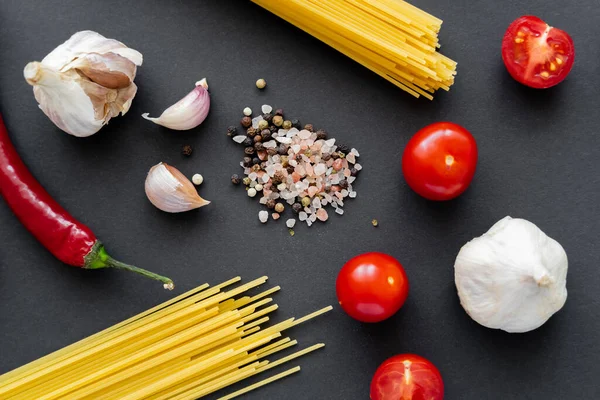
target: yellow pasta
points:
(186, 348)
(393, 38)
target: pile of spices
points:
(285, 162)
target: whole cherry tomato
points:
(439, 161)
(536, 54)
(371, 287)
(407, 377)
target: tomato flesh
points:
(439, 161)
(536, 54)
(407, 377)
(372, 287)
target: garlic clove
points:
(513, 277)
(170, 191)
(84, 42)
(109, 70)
(187, 113)
(63, 100)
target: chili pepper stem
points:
(99, 258)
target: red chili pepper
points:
(68, 239)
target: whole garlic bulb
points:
(513, 277)
(85, 82)
(170, 191)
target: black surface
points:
(538, 160)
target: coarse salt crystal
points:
(316, 203)
(320, 169)
(344, 193)
(263, 216)
(296, 148)
(282, 132)
(322, 215)
(358, 167)
(309, 222)
(275, 216)
(304, 134)
(292, 132)
(252, 176)
(270, 144)
(351, 179)
(266, 108)
(330, 142)
(263, 200)
(256, 120)
(313, 218)
(239, 138)
(302, 216)
(290, 223)
(351, 158)
(284, 140)
(352, 195)
(265, 178)
(355, 152)
(339, 211)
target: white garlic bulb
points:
(513, 277)
(170, 191)
(85, 82)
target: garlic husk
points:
(170, 191)
(85, 82)
(187, 113)
(513, 277)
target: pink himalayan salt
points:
(296, 176)
(337, 164)
(309, 169)
(312, 191)
(262, 155)
(300, 170)
(347, 173)
(275, 216)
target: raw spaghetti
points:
(392, 38)
(186, 348)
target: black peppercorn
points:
(256, 160)
(326, 157)
(309, 127)
(247, 162)
(255, 168)
(290, 169)
(267, 117)
(231, 131)
(335, 156)
(278, 177)
(279, 112)
(299, 157)
(258, 146)
(287, 124)
(343, 184)
(249, 150)
(321, 134)
(297, 207)
(353, 172)
(273, 129)
(270, 203)
(186, 150)
(296, 124)
(235, 179)
(271, 151)
(251, 132)
(246, 122)
(257, 138)
(266, 135)
(247, 142)
(282, 150)
(343, 148)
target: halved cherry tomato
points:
(371, 287)
(536, 54)
(439, 161)
(407, 377)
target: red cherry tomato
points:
(407, 377)
(371, 287)
(439, 161)
(536, 54)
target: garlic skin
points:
(170, 191)
(513, 277)
(85, 82)
(188, 112)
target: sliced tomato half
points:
(536, 54)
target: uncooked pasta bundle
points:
(186, 348)
(392, 38)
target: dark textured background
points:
(538, 160)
